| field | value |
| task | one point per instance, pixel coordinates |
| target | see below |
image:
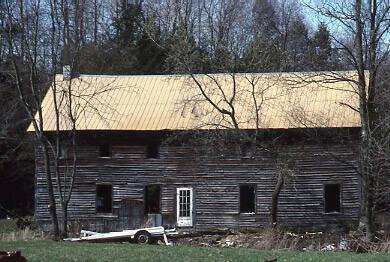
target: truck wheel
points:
(143, 237)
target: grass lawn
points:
(45, 250)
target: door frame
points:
(179, 220)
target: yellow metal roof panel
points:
(287, 100)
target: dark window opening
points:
(104, 198)
(152, 199)
(246, 149)
(247, 199)
(332, 198)
(152, 151)
(105, 150)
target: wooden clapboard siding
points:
(215, 181)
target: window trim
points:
(96, 198)
(340, 199)
(160, 196)
(255, 197)
(190, 222)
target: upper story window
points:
(332, 198)
(105, 150)
(63, 151)
(246, 149)
(153, 151)
(247, 199)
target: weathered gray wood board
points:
(215, 182)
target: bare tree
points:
(42, 35)
(367, 22)
(30, 89)
(231, 102)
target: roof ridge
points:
(217, 74)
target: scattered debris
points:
(329, 247)
(228, 243)
(308, 241)
(267, 239)
(313, 233)
(343, 246)
(291, 234)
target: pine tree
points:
(265, 20)
(320, 54)
(296, 46)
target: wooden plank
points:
(215, 181)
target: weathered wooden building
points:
(128, 174)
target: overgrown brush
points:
(14, 230)
(8, 225)
(277, 239)
(284, 240)
(318, 241)
(22, 235)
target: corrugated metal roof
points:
(288, 100)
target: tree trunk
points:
(49, 183)
(65, 220)
(366, 136)
(369, 212)
(95, 23)
(275, 198)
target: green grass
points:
(45, 250)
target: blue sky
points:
(312, 17)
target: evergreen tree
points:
(320, 55)
(129, 50)
(296, 46)
(261, 53)
(265, 20)
(150, 58)
(128, 23)
(261, 56)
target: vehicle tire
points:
(143, 237)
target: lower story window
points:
(152, 199)
(332, 198)
(247, 199)
(104, 198)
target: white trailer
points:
(141, 236)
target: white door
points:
(184, 206)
